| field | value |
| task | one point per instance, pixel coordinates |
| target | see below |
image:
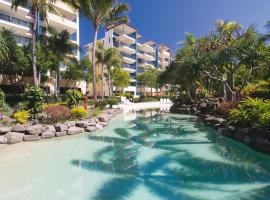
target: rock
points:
(31, 137)
(91, 128)
(232, 128)
(103, 124)
(49, 128)
(242, 131)
(3, 140)
(103, 118)
(70, 123)
(14, 137)
(18, 128)
(183, 110)
(248, 139)
(75, 130)
(203, 105)
(35, 129)
(82, 124)
(99, 126)
(214, 120)
(61, 127)
(60, 134)
(47, 134)
(193, 109)
(5, 130)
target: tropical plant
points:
(55, 113)
(73, 97)
(22, 116)
(120, 78)
(39, 8)
(35, 99)
(102, 13)
(7, 44)
(61, 49)
(78, 112)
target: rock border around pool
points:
(34, 132)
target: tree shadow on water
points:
(175, 173)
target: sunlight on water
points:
(141, 155)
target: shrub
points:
(251, 112)
(260, 89)
(73, 97)
(225, 107)
(4, 107)
(78, 112)
(101, 104)
(55, 113)
(22, 116)
(91, 102)
(35, 98)
(112, 101)
(97, 112)
(146, 99)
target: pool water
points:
(145, 155)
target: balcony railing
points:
(125, 65)
(15, 21)
(23, 6)
(129, 56)
(120, 44)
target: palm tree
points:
(7, 46)
(100, 59)
(38, 8)
(112, 59)
(102, 13)
(61, 48)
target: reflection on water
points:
(177, 157)
(142, 155)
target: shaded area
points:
(191, 161)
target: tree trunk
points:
(34, 58)
(109, 81)
(94, 63)
(224, 90)
(102, 81)
(58, 81)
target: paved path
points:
(145, 105)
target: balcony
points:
(126, 49)
(126, 39)
(129, 68)
(64, 8)
(61, 23)
(145, 47)
(19, 27)
(145, 56)
(146, 64)
(22, 12)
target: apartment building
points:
(20, 23)
(137, 55)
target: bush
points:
(34, 98)
(78, 112)
(97, 112)
(73, 97)
(101, 104)
(112, 101)
(225, 107)
(91, 102)
(4, 107)
(55, 113)
(22, 116)
(146, 99)
(260, 89)
(251, 112)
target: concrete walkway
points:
(145, 105)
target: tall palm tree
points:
(38, 8)
(112, 59)
(100, 59)
(7, 46)
(102, 13)
(61, 48)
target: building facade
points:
(20, 23)
(137, 55)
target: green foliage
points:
(78, 112)
(112, 101)
(120, 78)
(4, 107)
(101, 104)
(73, 97)
(97, 112)
(35, 99)
(146, 99)
(91, 102)
(251, 112)
(22, 116)
(260, 89)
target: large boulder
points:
(50, 128)
(31, 137)
(104, 124)
(3, 140)
(61, 127)
(48, 134)
(14, 137)
(99, 126)
(91, 129)
(103, 118)
(60, 134)
(75, 130)
(18, 128)
(4, 130)
(82, 124)
(35, 129)
(214, 120)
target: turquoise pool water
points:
(146, 155)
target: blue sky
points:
(166, 21)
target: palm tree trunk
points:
(94, 63)
(58, 81)
(109, 81)
(34, 58)
(102, 80)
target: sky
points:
(166, 21)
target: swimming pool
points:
(142, 155)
